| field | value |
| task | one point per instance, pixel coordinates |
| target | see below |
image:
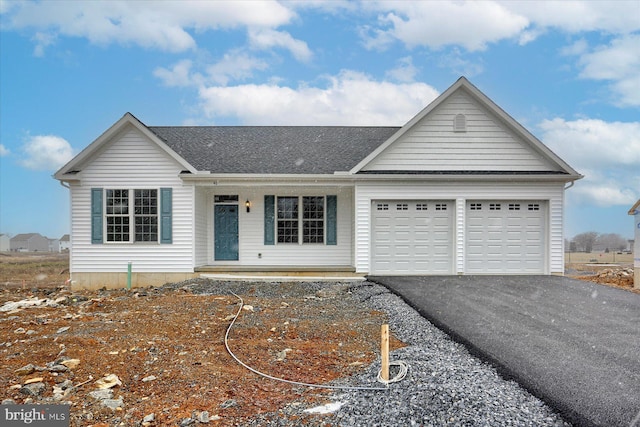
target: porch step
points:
(286, 276)
(277, 270)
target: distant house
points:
(54, 245)
(5, 243)
(29, 242)
(65, 243)
(462, 188)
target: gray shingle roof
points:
(273, 149)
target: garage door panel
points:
(505, 237)
(418, 239)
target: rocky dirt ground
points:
(620, 276)
(157, 357)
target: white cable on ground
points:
(404, 368)
(255, 371)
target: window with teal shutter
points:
(166, 214)
(332, 220)
(96, 216)
(269, 220)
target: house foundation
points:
(93, 281)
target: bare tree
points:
(611, 241)
(585, 241)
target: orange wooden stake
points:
(384, 350)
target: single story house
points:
(5, 243)
(65, 243)
(462, 188)
(29, 242)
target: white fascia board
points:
(258, 179)
(117, 127)
(498, 178)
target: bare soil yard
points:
(160, 351)
(164, 349)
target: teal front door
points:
(226, 232)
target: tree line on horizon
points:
(592, 240)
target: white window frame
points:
(131, 216)
(301, 220)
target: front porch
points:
(280, 273)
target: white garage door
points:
(505, 237)
(412, 237)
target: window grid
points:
(382, 207)
(441, 206)
(288, 225)
(313, 219)
(120, 215)
(475, 206)
(402, 206)
(514, 206)
(422, 206)
(117, 215)
(146, 215)
(495, 206)
(534, 207)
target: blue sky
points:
(568, 71)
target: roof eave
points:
(635, 208)
(214, 179)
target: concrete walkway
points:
(574, 344)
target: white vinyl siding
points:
(433, 144)
(550, 193)
(132, 161)
(252, 250)
(203, 251)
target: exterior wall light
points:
(248, 205)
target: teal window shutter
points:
(166, 220)
(332, 220)
(269, 220)
(96, 216)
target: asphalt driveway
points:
(574, 344)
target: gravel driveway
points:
(444, 385)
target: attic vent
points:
(460, 123)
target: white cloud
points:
(46, 152)
(235, 65)
(179, 75)
(618, 62)
(435, 24)
(404, 72)
(474, 24)
(607, 153)
(350, 98)
(160, 25)
(4, 151)
(455, 61)
(606, 189)
(42, 40)
(265, 38)
(594, 144)
(579, 16)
